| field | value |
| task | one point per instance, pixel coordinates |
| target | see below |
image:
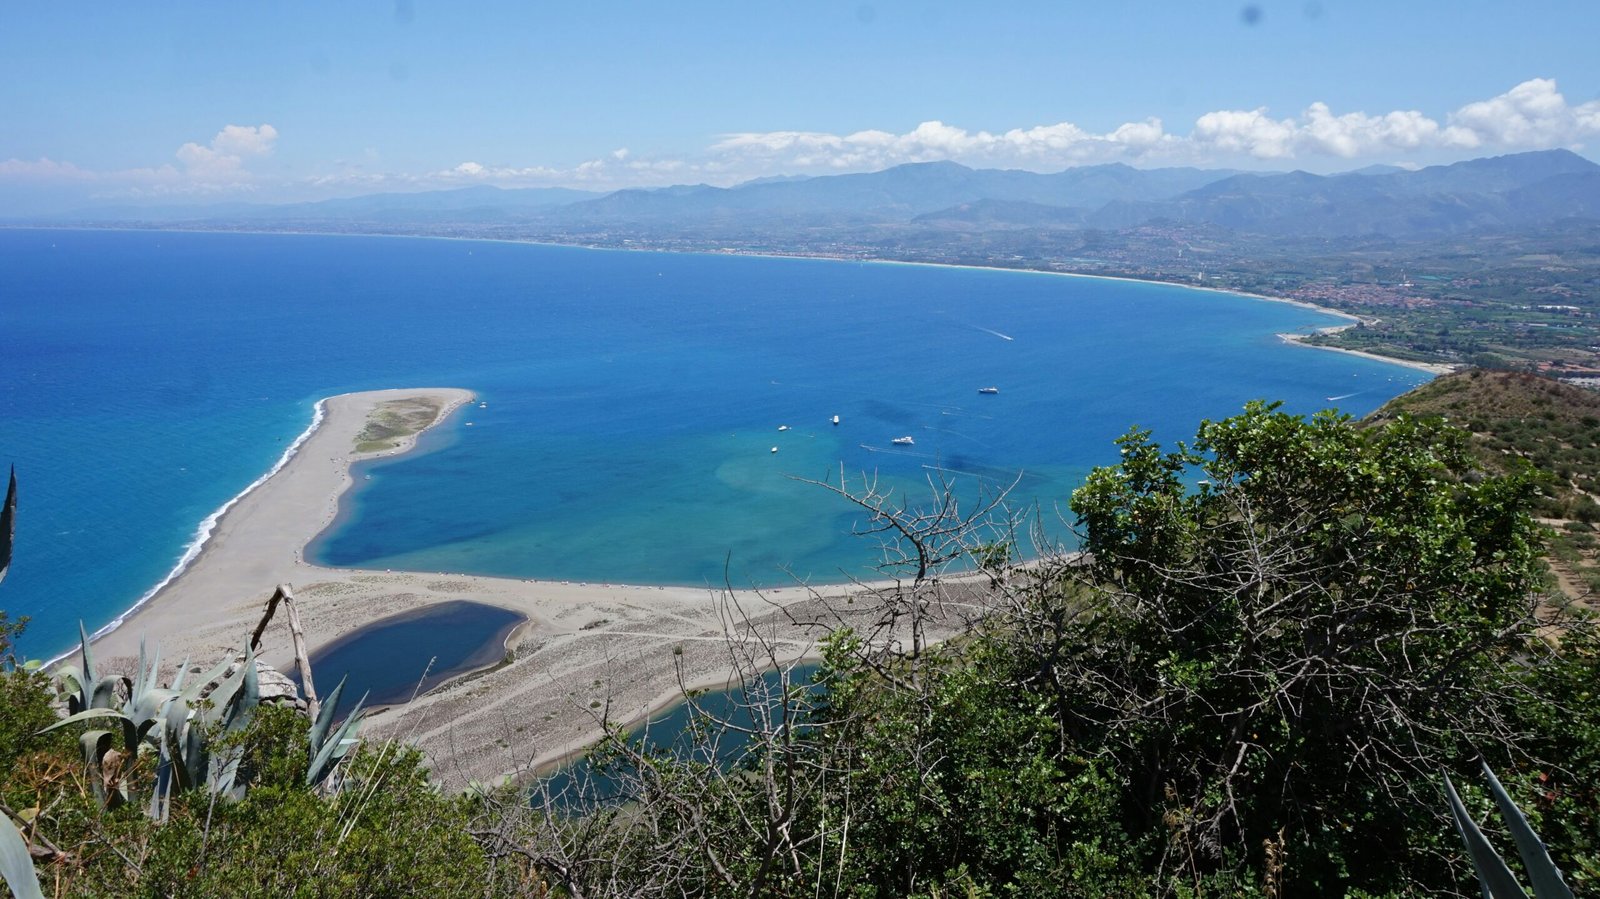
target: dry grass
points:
(394, 421)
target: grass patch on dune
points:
(392, 421)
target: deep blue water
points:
(393, 659)
(633, 398)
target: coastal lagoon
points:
(631, 400)
(396, 658)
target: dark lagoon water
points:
(633, 399)
(393, 659)
(714, 728)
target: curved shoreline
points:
(1431, 367)
(579, 647)
(214, 529)
(193, 550)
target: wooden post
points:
(302, 659)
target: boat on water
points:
(774, 449)
(902, 441)
(783, 427)
(988, 390)
(836, 419)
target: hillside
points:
(1555, 427)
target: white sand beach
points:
(586, 649)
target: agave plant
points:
(327, 751)
(1494, 876)
(175, 722)
(145, 707)
(8, 524)
(16, 863)
(81, 685)
(187, 760)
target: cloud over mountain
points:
(1532, 115)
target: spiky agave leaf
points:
(249, 698)
(188, 717)
(145, 678)
(191, 693)
(225, 776)
(16, 863)
(333, 749)
(226, 695)
(8, 524)
(104, 693)
(183, 745)
(1494, 878)
(330, 706)
(84, 688)
(86, 715)
(1542, 870)
(88, 658)
(162, 792)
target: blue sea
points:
(633, 399)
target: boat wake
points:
(995, 333)
(961, 435)
(895, 452)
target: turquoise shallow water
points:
(633, 398)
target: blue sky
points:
(202, 102)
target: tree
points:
(1288, 651)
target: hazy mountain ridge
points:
(1482, 194)
(1517, 191)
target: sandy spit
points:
(585, 651)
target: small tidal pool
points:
(711, 729)
(409, 654)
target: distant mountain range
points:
(1526, 190)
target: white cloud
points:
(44, 169)
(222, 161)
(493, 174)
(1531, 115)
(244, 140)
(1046, 145)
(1254, 133)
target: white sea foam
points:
(207, 526)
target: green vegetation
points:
(385, 832)
(1555, 427)
(1283, 638)
(1494, 876)
(393, 421)
(1252, 689)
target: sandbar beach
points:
(585, 648)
